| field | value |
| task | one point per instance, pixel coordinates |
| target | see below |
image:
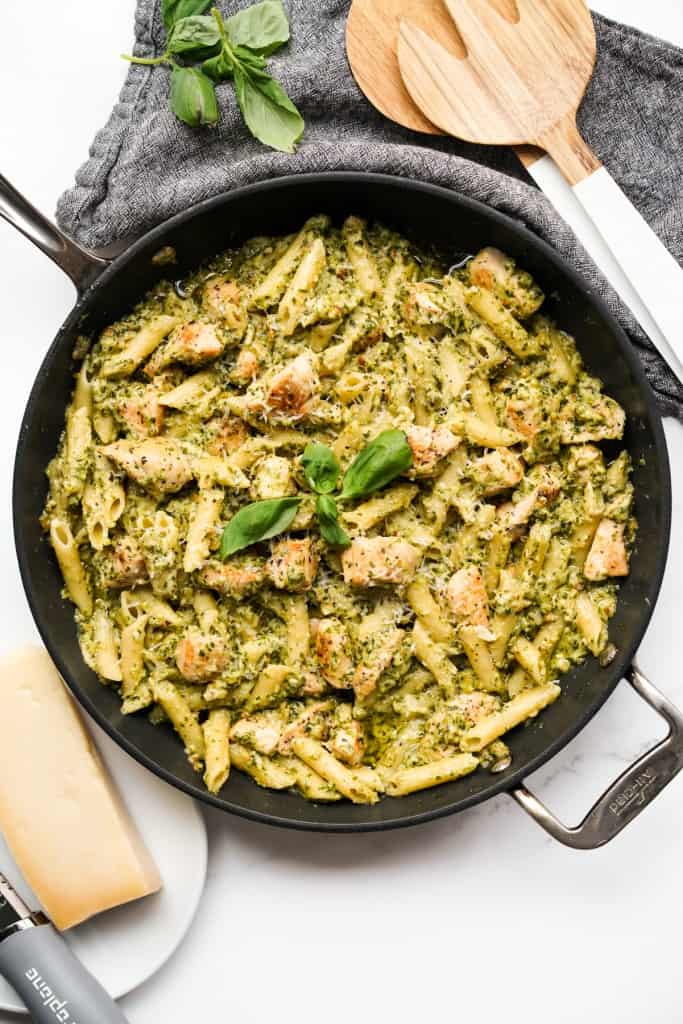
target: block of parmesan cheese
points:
(60, 814)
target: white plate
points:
(126, 946)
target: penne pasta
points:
(133, 654)
(201, 530)
(183, 720)
(105, 646)
(360, 257)
(312, 753)
(75, 579)
(434, 657)
(525, 705)
(406, 461)
(216, 730)
(302, 284)
(434, 773)
(139, 347)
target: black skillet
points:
(456, 225)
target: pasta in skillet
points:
(340, 517)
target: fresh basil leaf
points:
(268, 112)
(378, 464)
(328, 521)
(249, 58)
(173, 10)
(320, 467)
(196, 37)
(193, 97)
(219, 67)
(262, 27)
(258, 521)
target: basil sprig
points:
(229, 50)
(374, 467)
(262, 28)
(259, 521)
(321, 468)
(327, 515)
(193, 97)
(174, 10)
(322, 472)
(377, 464)
(196, 38)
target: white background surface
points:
(477, 917)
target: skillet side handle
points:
(632, 791)
(81, 266)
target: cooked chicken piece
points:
(332, 650)
(142, 412)
(547, 480)
(467, 597)
(293, 386)
(512, 515)
(429, 446)
(593, 417)
(273, 479)
(515, 514)
(313, 722)
(312, 685)
(515, 288)
(123, 565)
(607, 555)
(376, 561)
(157, 463)
(228, 433)
(231, 579)
(497, 471)
(224, 300)
(261, 731)
(473, 706)
(246, 366)
(524, 415)
(192, 344)
(376, 660)
(426, 304)
(293, 564)
(584, 461)
(200, 656)
(346, 739)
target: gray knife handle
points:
(53, 983)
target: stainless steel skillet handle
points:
(633, 790)
(81, 266)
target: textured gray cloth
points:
(145, 165)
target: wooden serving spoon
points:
(526, 69)
(371, 40)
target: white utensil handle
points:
(551, 181)
(648, 264)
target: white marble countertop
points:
(479, 916)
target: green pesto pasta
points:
(445, 604)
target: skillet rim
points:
(516, 776)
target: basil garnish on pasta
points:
(320, 467)
(259, 521)
(377, 465)
(328, 521)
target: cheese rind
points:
(60, 813)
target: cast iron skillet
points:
(457, 225)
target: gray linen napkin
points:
(144, 165)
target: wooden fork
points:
(524, 76)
